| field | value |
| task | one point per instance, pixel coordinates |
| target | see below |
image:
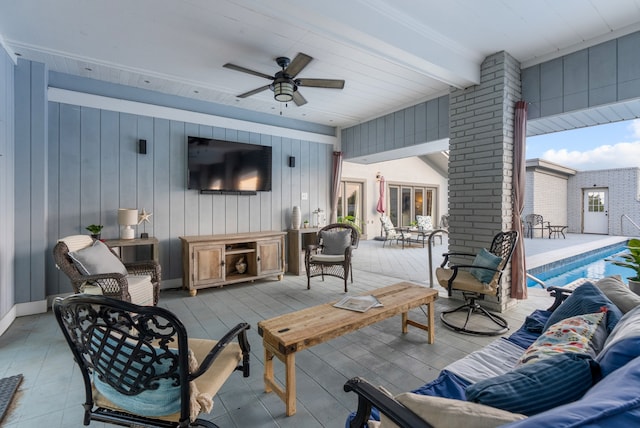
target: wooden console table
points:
(287, 334)
(298, 241)
(136, 242)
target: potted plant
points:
(630, 260)
(305, 224)
(95, 230)
(352, 220)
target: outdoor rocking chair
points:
(138, 366)
(332, 255)
(477, 280)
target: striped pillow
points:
(536, 387)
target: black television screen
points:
(225, 166)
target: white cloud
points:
(620, 155)
(634, 126)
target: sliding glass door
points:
(407, 201)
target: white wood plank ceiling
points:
(391, 53)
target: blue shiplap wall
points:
(7, 296)
(424, 122)
(94, 169)
(599, 75)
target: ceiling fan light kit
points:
(285, 85)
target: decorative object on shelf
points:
(319, 218)
(305, 224)
(144, 217)
(241, 265)
(127, 217)
(296, 217)
(95, 230)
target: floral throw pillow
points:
(582, 334)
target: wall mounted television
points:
(225, 167)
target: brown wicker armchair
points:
(332, 255)
(120, 285)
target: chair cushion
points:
(533, 388)
(424, 222)
(97, 259)
(445, 413)
(582, 334)
(488, 260)
(77, 242)
(618, 292)
(586, 299)
(623, 344)
(140, 289)
(320, 258)
(464, 281)
(335, 242)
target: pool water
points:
(590, 266)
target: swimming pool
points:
(591, 265)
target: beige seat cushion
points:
(140, 289)
(447, 413)
(327, 258)
(204, 388)
(465, 281)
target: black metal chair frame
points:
(103, 332)
(535, 222)
(502, 245)
(339, 269)
(112, 284)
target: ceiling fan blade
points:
(321, 83)
(299, 99)
(299, 62)
(255, 91)
(246, 70)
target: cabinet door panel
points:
(208, 266)
(270, 257)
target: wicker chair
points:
(332, 255)
(112, 284)
(139, 367)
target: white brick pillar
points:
(481, 125)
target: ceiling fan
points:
(285, 85)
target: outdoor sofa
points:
(576, 364)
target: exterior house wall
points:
(623, 186)
(409, 170)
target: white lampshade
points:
(127, 217)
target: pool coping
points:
(563, 255)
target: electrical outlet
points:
(305, 196)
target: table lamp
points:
(127, 217)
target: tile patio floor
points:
(52, 392)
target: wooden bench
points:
(287, 334)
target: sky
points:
(615, 145)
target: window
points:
(350, 201)
(407, 201)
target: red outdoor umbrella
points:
(380, 206)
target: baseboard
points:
(7, 320)
(20, 310)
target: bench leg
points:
(429, 327)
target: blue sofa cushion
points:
(485, 259)
(612, 402)
(536, 387)
(586, 299)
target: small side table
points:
(136, 242)
(556, 231)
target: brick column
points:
(481, 161)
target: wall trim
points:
(144, 109)
(21, 310)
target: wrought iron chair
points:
(332, 255)
(139, 367)
(535, 222)
(477, 280)
(109, 277)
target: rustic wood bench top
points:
(287, 334)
